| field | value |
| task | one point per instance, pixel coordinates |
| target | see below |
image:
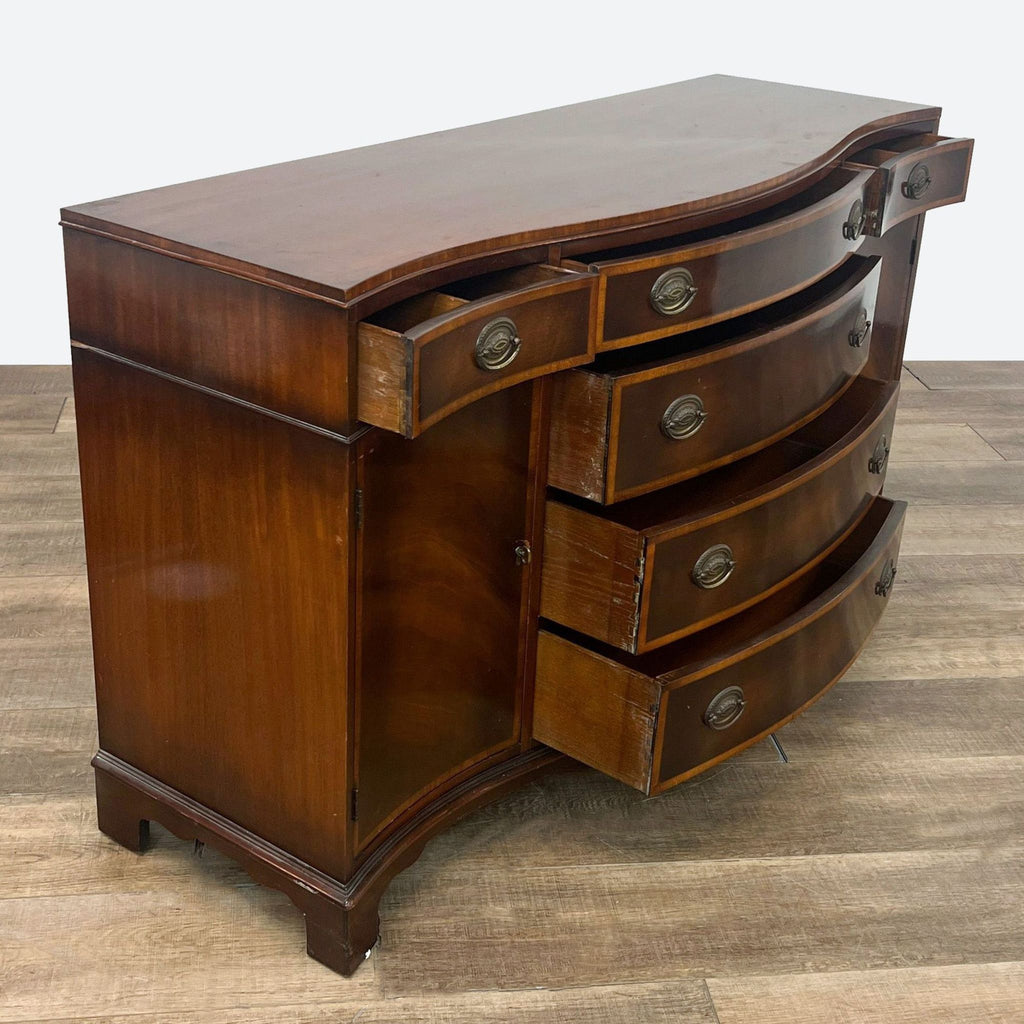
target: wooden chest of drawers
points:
(408, 471)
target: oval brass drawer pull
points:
(725, 708)
(683, 417)
(918, 182)
(860, 329)
(886, 580)
(713, 567)
(673, 291)
(853, 226)
(879, 456)
(497, 344)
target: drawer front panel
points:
(688, 287)
(768, 543)
(653, 720)
(456, 351)
(919, 173)
(749, 394)
(704, 720)
(552, 326)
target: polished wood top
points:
(347, 223)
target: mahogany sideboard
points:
(411, 469)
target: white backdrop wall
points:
(105, 98)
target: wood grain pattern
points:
(164, 949)
(36, 414)
(643, 719)
(331, 224)
(866, 719)
(961, 376)
(45, 753)
(43, 672)
(623, 575)
(668, 1002)
(44, 455)
(908, 382)
(877, 846)
(55, 607)
(436, 551)
(959, 994)
(944, 165)
(43, 549)
(964, 485)
(592, 574)
(418, 366)
(636, 456)
(955, 529)
(36, 380)
(276, 350)
(218, 563)
(522, 928)
(734, 274)
(66, 420)
(992, 405)
(1005, 439)
(748, 809)
(40, 499)
(941, 442)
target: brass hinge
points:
(358, 502)
(354, 809)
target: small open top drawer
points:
(422, 359)
(919, 172)
(654, 720)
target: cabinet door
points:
(442, 601)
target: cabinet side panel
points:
(280, 351)
(442, 644)
(218, 544)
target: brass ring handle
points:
(497, 344)
(856, 219)
(673, 291)
(860, 329)
(713, 567)
(879, 456)
(886, 580)
(918, 182)
(683, 417)
(725, 708)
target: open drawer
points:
(919, 172)
(422, 359)
(645, 572)
(638, 420)
(662, 287)
(656, 719)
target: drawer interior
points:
(875, 156)
(831, 183)
(737, 482)
(765, 617)
(411, 312)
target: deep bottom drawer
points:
(654, 720)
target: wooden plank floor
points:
(875, 876)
